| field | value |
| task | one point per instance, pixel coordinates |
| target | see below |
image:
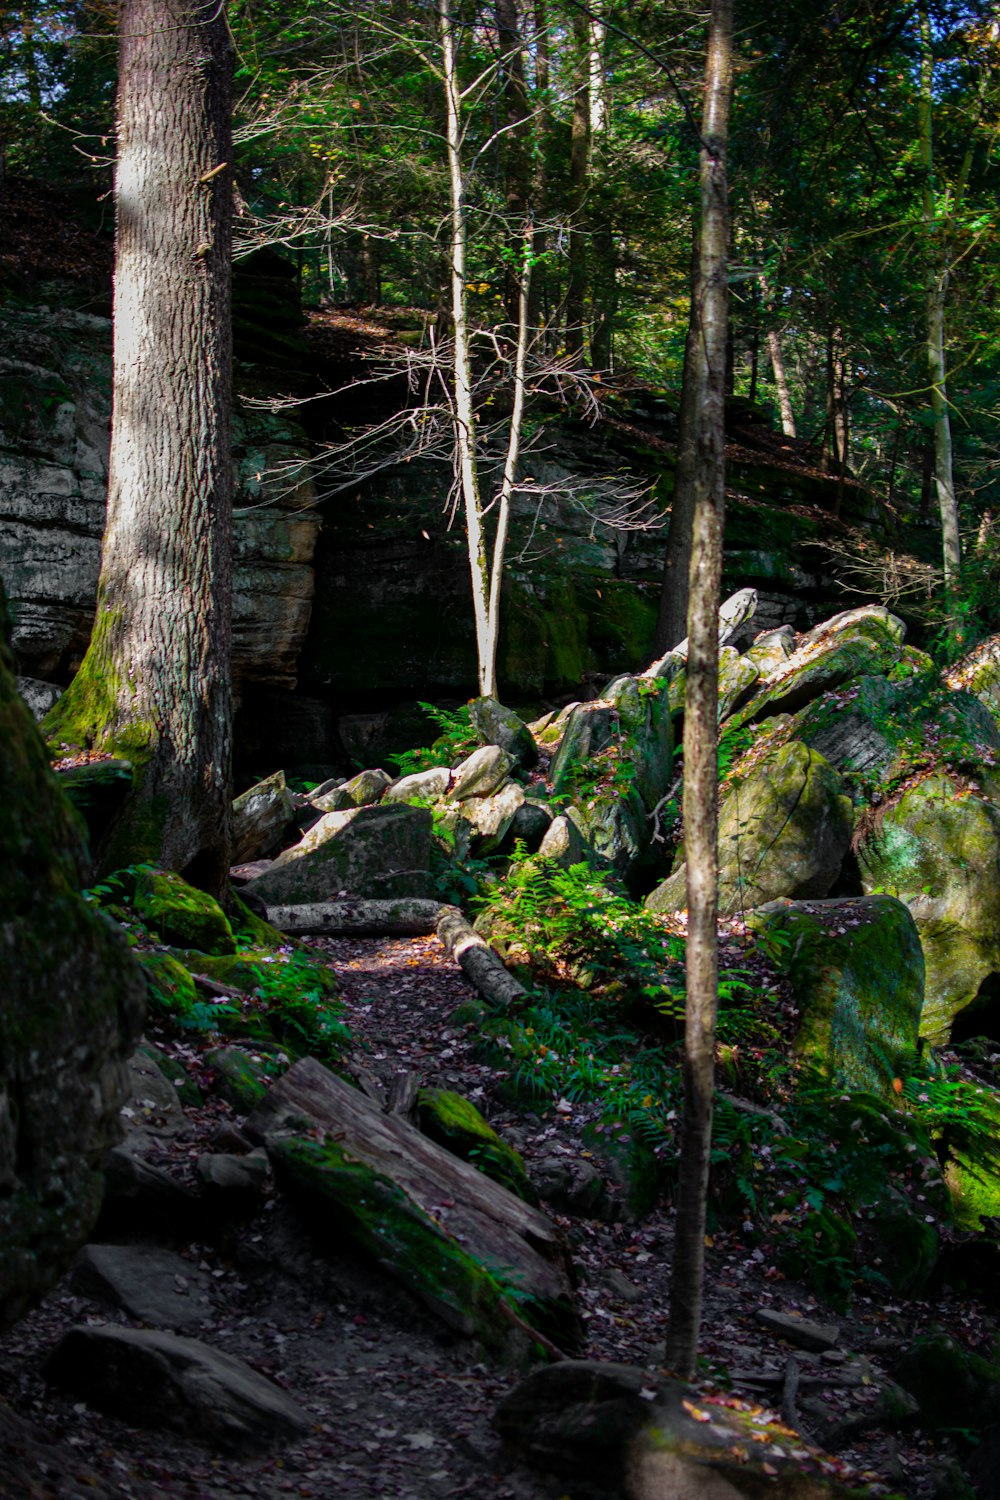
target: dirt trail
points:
(401, 1407)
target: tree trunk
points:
(701, 710)
(936, 250)
(539, 187)
(155, 682)
(579, 171)
(781, 383)
(671, 624)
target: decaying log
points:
(477, 960)
(405, 917)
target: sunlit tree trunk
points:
(781, 383)
(155, 682)
(671, 624)
(579, 172)
(701, 709)
(935, 236)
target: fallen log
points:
(479, 1257)
(406, 917)
(478, 961)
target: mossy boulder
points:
(978, 673)
(73, 1000)
(936, 846)
(783, 831)
(853, 644)
(972, 1173)
(737, 677)
(613, 829)
(242, 1076)
(857, 973)
(379, 851)
(170, 990)
(455, 1123)
(624, 738)
(179, 914)
(496, 725)
(954, 1388)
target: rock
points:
(381, 851)
(56, 402)
(735, 613)
(407, 916)
(496, 725)
(420, 786)
(490, 820)
(939, 852)
(563, 843)
(260, 817)
(954, 1389)
(71, 1011)
(801, 1332)
(614, 831)
(170, 990)
(363, 790)
(857, 975)
(153, 1112)
(139, 1195)
(531, 822)
(624, 738)
(97, 789)
(161, 1380)
(457, 1125)
(737, 678)
(978, 673)
(39, 696)
(480, 1258)
(233, 1176)
(572, 1185)
(154, 1286)
(482, 772)
(181, 915)
(783, 831)
(616, 1428)
(859, 642)
(771, 649)
(242, 1077)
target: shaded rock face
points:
(71, 1008)
(367, 851)
(55, 415)
(857, 973)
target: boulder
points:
(154, 1286)
(771, 649)
(181, 915)
(481, 1259)
(420, 786)
(783, 831)
(496, 725)
(563, 843)
(260, 817)
(859, 642)
(72, 1009)
(39, 696)
(978, 673)
(154, 1379)
(363, 790)
(936, 846)
(488, 820)
(857, 974)
(229, 1176)
(620, 741)
(737, 677)
(381, 851)
(482, 772)
(647, 1437)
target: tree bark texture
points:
(155, 683)
(701, 708)
(579, 174)
(781, 383)
(671, 624)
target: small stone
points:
(154, 1286)
(799, 1331)
(234, 1174)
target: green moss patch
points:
(455, 1123)
(180, 914)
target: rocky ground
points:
(398, 1406)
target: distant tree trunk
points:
(701, 710)
(155, 682)
(579, 172)
(539, 193)
(781, 383)
(938, 269)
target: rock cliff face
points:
(71, 1008)
(55, 416)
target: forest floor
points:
(401, 1407)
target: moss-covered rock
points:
(370, 851)
(180, 914)
(936, 846)
(496, 725)
(71, 1011)
(455, 1123)
(242, 1076)
(857, 974)
(783, 831)
(625, 738)
(170, 990)
(955, 1389)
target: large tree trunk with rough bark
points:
(155, 682)
(701, 708)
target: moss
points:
(405, 1240)
(242, 1077)
(955, 1389)
(251, 931)
(187, 1090)
(180, 914)
(456, 1124)
(170, 989)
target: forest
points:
(500, 725)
